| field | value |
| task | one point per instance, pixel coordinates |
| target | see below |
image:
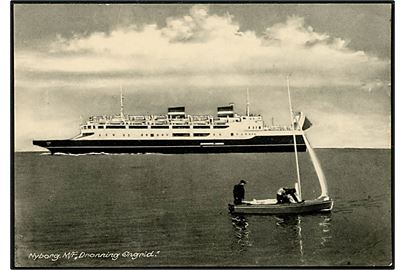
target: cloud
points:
(204, 48)
(343, 90)
(364, 130)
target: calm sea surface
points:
(171, 210)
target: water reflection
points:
(242, 232)
(283, 234)
(325, 225)
(290, 228)
(308, 232)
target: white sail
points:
(318, 169)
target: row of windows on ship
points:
(165, 117)
(162, 127)
(174, 134)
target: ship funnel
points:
(225, 111)
(177, 112)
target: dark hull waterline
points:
(253, 145)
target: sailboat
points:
(270, 206)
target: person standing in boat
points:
(239, 192)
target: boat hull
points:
(165, 146)
(309, 206)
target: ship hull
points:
(253, 145)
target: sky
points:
(71, 60)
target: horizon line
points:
(317, 147)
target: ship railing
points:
(200, 123)
(136, 122)
(136, 117)
(179, 120)
(220, 121)
(277, 128)
(98, 118)
(113, 123)
(200, 117)
(98, 123)
(107, 118)
(179, 123)
(160, 123)
(160, 117)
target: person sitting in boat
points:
(287, 195)
(239, 192)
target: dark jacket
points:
(238, 193)
(282, 195)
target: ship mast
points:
(122, 105)
(295, 140)
(247, 102)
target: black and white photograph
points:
(191, 134)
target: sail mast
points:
(295, 140)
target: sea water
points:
(172, 210)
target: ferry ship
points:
(179, 133)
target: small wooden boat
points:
(308, 206)
(270, 206)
